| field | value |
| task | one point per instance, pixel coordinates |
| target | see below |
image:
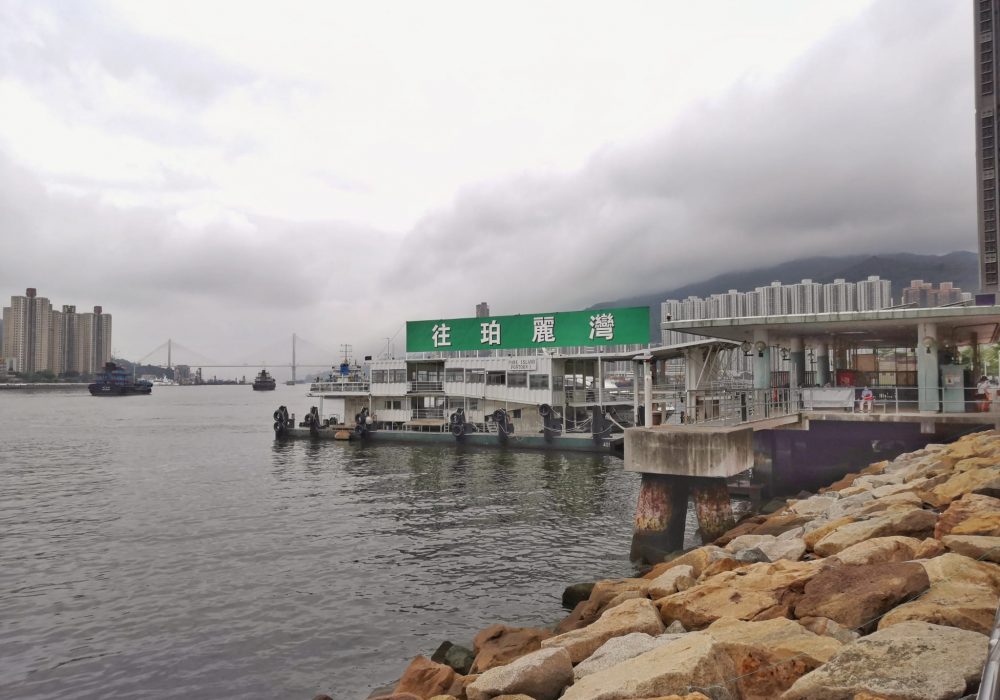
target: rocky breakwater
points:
(881, 587)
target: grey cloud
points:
(218, 290)
(865, 145)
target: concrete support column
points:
(928, 368)
(714, 508)
(637, 367)
(797, 372)
(659, 517)
(762, 360)
(647, 384)
(823, 364)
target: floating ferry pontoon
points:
(463, 382)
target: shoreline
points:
(882, 586)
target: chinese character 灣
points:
(442, 335)
(602, 326)
(490, 333)
(545, 329)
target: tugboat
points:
(116, 381)
(264, 382)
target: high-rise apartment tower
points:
(985, 45)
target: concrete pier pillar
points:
(659, 517)
(823, 364)
(714, 509)
(797, 374)
(928, 370)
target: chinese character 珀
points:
(602, 326)
(545, 329)
(441, 335)
(490, 333)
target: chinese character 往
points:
(442, 335)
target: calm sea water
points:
(167, 547)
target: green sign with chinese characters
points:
(626, 326)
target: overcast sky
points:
(226, 173)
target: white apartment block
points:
(874, 294)
(806, 297)
(839, 295)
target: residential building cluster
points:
(777, 299)
(923, 295)
(38, 338)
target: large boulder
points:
(697, 559)
(498, 644)
(855, 596)
(619, 649)
(666, 583)
(757, 591)
(541, 675)
(957, 568)
(770, 655)
(814, 505)
(779, 524)
(828, 628)
(948, 603)
(772, 547)
(694, 661)
(912, 523)
(639, 615)
(908, 661)
(457, 657)
(819, 528)
(960, 484)
(971, 514)
(879, 550)
(424, 678)
(977, 547)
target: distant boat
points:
(290, 382)
(116, 381)
(264, 382)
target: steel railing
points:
(344, 387)
(735, 406)
(904, 399)
(418, 413)
(593, 396)
(989, 686)
(424, 387)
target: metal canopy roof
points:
(670, 352)
(883, 327)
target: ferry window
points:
(517, 379)
(378, 376)
(397, 375)
(454, 375)
(496, 378)
(475, 376)
(538, 381)
(557, 382)
(473, 404)
(393, 404)
(516, 413)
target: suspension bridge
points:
(174, 353)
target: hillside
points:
(960, 267)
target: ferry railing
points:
(344, 387)
(419, 413)
(424, 387)
(593, 396)
(737, 406)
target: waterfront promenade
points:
(883, 585)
